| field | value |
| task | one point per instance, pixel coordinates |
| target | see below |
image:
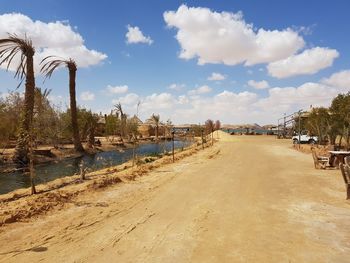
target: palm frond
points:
(51, 63)
(9, 48)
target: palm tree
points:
(123, 118)
(9, 48)
(49, 64)
(155, 120)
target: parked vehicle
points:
(304, 138)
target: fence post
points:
(173, 146)
(202, 138)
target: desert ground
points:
(246, 199)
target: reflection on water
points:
(49, 172)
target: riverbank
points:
(19, 205)
(51, 154)
(246, 199)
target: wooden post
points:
(31, 163)
(299, 130)
(82, 170)
(133, 152)
(202, 138)
(173, 146)
(284, 126)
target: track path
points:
(247, 199)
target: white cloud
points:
(308, 62)
(183, 99)
(232, 40)
(58, 100)
(216, 76)
(53, 38)
(340, 79)
(200, 90)
(237, 107)
(176, 87)
(135, 35)
(87, 96)
(258, 84)
(158, 101)
(130, 99)
(118, 89)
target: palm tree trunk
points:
(73, 109)
(22, 146)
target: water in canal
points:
(52, 171)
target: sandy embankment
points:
(247, 199)
(18, 205)
(66, 151)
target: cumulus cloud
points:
(216, 76)
(183, 99)
(200, 90)
(130, 99)
(308, 62)
(176, 86)
(238, 107)
(291, 99)
(158, 101)
(118, 89)
(53, 38)
(232, 40)
(263, 84)
(339, 79)
(87, 96)
(135, 35)
(58, 99)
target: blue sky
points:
(285, 55)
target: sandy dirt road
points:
(247, 199)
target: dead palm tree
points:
(49, 64)
(10, 47)
(155, 120)
(123, 118)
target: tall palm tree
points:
(9, 48)
(123, 118)
(155, 120)
(49, 64)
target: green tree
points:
(318, 123)
(340, 112)
(111, 124)
(46, 119)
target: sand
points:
(246, 199)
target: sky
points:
(233, 61)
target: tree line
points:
(330, 124)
